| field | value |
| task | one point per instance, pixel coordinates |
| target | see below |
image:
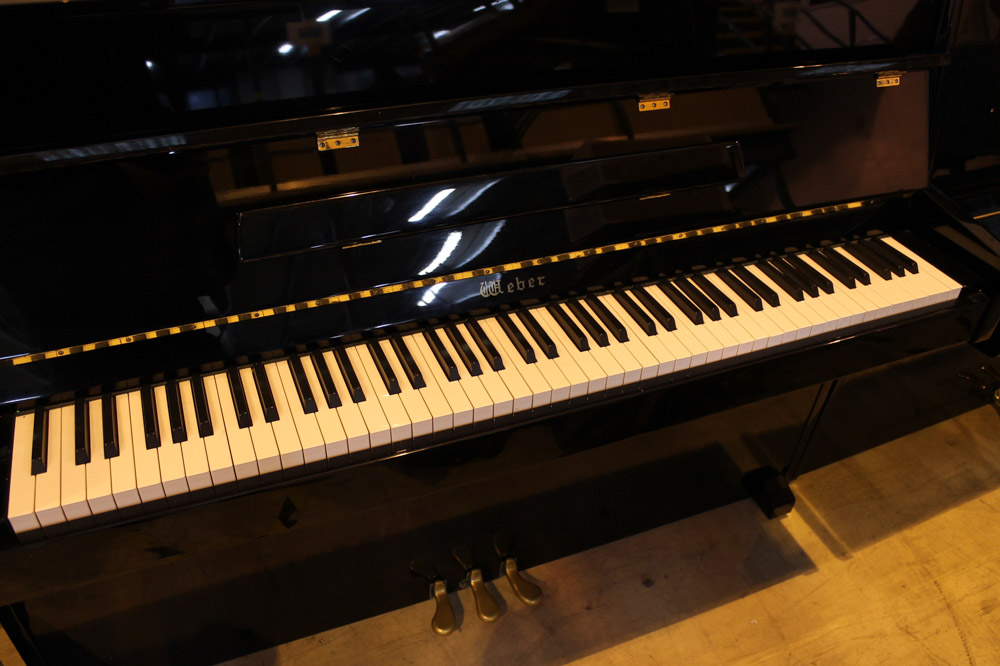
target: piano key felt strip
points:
(419, 284)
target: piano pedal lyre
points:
(486, 606)
(444, 621)
(525, 590)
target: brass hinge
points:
(658, 102)
(337, 139)
(887, 79)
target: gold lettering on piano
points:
(507, 286)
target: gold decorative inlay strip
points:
(419, 284)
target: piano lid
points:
(86, 80)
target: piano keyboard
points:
(102, 459)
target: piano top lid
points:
(101, 82)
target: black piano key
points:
(869, 259)
(632, 309)
(725, 303)
(350, 377)
(900, 261)
(538, 334)
(741, 290)
(794, 276)
(769, 295)
(485, 345)
(109, 421)
(779, 279)
(40, 442)
(860, 274)
(654, 308)
(517, 339)
(243, 418)
(703, 303)
(689, 309)
(410, 367)
(201, 414)
(836, 270)
(301, 382)
(441, 354)
(569, 327)
(384, 369)
(463, 350)
(815, 277)
(81, 416)
(175, 413)
(150, 426)
(264, 392)
(325, 379)
(590, 325)
(618, 330)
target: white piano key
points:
(503, 401)
(462, 409)
(359, 439)
(48, 484)
(761, 330)
(74, 477)
(540, 391)
(123, 483)
(99, 493)
(562, 388)
(516, 386)
(803, 320)
(648, 365)
(265, 446)
(932, 285)
(146, 461)
(413, 401)
(876, 291)
(665, 359)
(606, 360)
(310, 435)
(21, 496)
(437, 405)
(952, 289)
(169, 454)
(376, 393)
(700, 343)
(854, 308)
(220, 460)
(687, 350)
(479, 398)
(285, 433)
(334, 437)
(631, 368)
(379, 428)
(594, 375)
(196, 469)
(243, 456)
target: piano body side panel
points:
(877, 406)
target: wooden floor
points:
(892, 556)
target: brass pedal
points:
(443, 622)
(486, 606)
(525, 590)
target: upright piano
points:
(308, 309)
